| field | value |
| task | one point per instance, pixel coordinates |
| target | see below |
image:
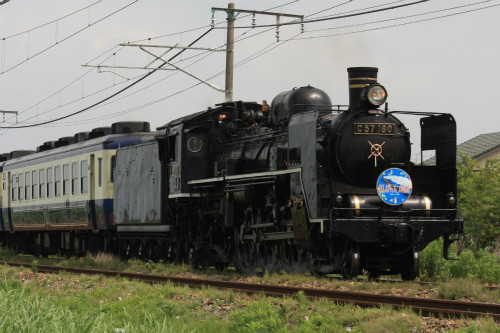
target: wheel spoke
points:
(245, 259)
(351, 263)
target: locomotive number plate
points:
(374, 128)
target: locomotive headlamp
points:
(338, 198)
(452, 200)
(376, 94)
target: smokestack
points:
(359, 78)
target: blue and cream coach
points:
(63, 192)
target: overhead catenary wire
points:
(330, 18)
(262, 51)
(100, 91)
(80, 77)
(204, 26)
(393, 25)
(319, 12)
(269, 47)
(111, 96)
(58, 92)
(49, 23)
(250, 58)
(64, 39)
(401, 17)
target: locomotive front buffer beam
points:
(407, 228)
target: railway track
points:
(424, 306)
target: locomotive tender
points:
(300, 185)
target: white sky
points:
(448, 64)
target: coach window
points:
(113, 165)
(34, 184)
(74, 178)
(100, 171)
(14, 187)
(27, 184)
(4, 181)
(41, 187)
(20, 179)
(66, 181)
(50, 183)
(57, 176)
(84, 177)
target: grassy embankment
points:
(35, 302)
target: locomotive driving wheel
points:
(273, 263)
(410, 272)
(350, 264)
(244, 252)
(293, 257)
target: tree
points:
(479, 200)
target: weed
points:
(259, 316)
(6, 252)
(34, 266)
(301, 297)
(482, 265)
(390, 323)
(456, 289)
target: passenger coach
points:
(61, 196)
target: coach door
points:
(92, 206)
(7, 218)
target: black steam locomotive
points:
(300, 185)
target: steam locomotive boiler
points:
(300, 185)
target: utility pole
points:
(230, 52)
(231, 17)
(167, 64)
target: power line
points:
(111, 96)
(59, 91)
(319, 12)
(248, 59)
(401, 17)
(333, 17)
(80, 77)
(104, 89)
(63, 40)
(255, 55)
(394, 25)
(205, 26)
(53, 21)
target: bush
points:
(482, 265)
(432, 263)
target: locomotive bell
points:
(359, 79)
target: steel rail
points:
(424, 306)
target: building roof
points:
(475, 147)
(480, 145)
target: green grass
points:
(433, 268)
(39, 302)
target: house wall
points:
(493, 154)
